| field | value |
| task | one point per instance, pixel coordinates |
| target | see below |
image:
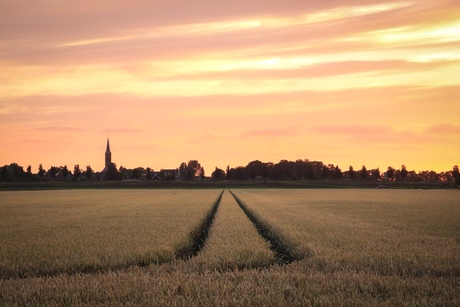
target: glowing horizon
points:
(347, 83)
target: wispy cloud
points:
(110, 131)
(444, 129)
(351, 129)
(59, 129)
(276, 132)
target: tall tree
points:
(403, 172)
(65, 171)
(218, 174)
(194, 169)
(4, 172)
(29, 171)
(89, 171)
(183, 171)
(390, 172)
(337, 173)
(137, 173)
(455, 171)
(363, 172)
(112, 173)
(351, 172)
(77, 171)
(376, 173)
(41, 171)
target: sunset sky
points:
(356, 82)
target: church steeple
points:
(108, 156)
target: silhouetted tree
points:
(227, 172)
(148, 173)
(309, 171)
(218, 174)
(337, 173)
(29, 172)
(363, 172)
(183, 171)
(390, 172)
(403, 172)
(351, 172)
(257, 168)
(4, 172)
(17, 170)
(112, 173)
(137, 173)
(192, 169)
(325, 172)
(89, 172)
(241, 173)
(65, 171)
(77, 171)
(53, 170)
(41, 171)
(455, 171)
(376, 173)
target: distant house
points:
(172, 174)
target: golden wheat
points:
(385, 248)
(49, 232)
(401, 232)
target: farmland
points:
(386, 247)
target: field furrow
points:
(46, 233)
(286, 251)
(233, 241)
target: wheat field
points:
(352, 247)
(51, 232)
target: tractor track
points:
(284, 249)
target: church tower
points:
(108, 156)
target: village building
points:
(171, 174)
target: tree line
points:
(254, 170)
(317, 170)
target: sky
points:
(356, 82)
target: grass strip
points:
(199, 235)
(286, 251)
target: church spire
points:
(108, 156)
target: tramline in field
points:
(233, 241)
